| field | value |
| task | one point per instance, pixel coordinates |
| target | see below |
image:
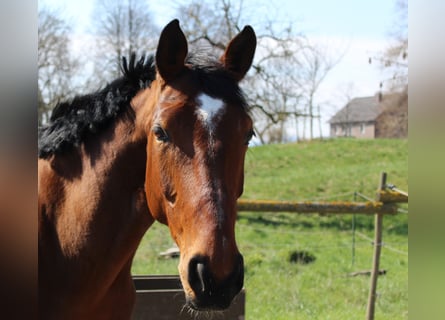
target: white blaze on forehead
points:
(209, 110)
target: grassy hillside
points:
(278, 284)
(322, 169)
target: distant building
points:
(357, 119)
(379, 116)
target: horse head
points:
(198, 130)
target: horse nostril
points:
(200, 271)
(198, 276)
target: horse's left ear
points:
(238, 56)
(171, 52)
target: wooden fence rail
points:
(391, 196)
(334, 207)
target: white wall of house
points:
(365, 130)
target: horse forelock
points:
(214, 80)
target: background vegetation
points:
(278, 284)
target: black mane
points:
(71, 121)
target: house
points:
(379, 116)
(357, 119)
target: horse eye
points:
(249, 136)
(161, 134)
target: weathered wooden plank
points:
(335, 207)
(162, 298)
(390, 196)
(156, 282)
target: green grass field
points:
(278, 286)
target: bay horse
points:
(166, 142)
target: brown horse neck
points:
(92, 216)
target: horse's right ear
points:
(239, 53)
(171, 52)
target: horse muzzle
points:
(208, 293)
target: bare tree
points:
(276, 87)
(123, 27)
(394, 62)
(211, 23)
(56, 65)
(316, 63)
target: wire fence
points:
(385, 202)
(365, 242)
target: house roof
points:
(364, 109)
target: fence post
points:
(378, 224)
